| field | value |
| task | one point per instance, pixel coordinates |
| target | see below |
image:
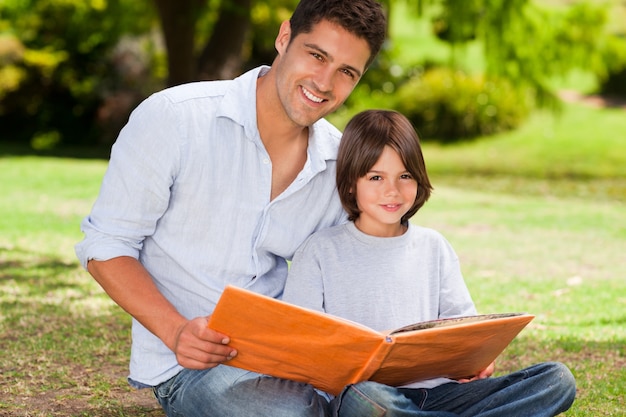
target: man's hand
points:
(485, 373)
(130, 285)
(198, 347)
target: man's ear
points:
(283, 37)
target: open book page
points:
(456, 348)
(452, 321)
(287, 341)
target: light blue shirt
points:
(187, 192)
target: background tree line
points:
(71, 70)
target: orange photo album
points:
(276, 338)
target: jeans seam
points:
(424, 398)
(381, 410)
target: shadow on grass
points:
(65, 344)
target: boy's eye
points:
(406, 176)
(375, 178)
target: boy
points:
(382, 271)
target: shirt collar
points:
(239, 105)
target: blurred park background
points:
(520, 104)
(71, 71)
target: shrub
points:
(615, 84)
(57, 64)
(613, 79)
(450, 106)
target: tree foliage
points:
(66, 71)
(55, 64)
(524, 41)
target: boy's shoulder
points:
(427, 235)
(423, 230)
(329, 235)
(331, 232)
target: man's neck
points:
(285, 141)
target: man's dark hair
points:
(363, 18)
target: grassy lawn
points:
(64, 343)
(537, 217)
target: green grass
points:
(549, 146)
(577, 153)
(558, 258)
(537, 219)
(537, 216)
(64, 343)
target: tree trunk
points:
(178, 22)
(222, 57)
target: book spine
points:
(374, 362)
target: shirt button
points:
(266, 161)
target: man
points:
(217, 183)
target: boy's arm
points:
(130, 285)
(304, 286)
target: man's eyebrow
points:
(330, 57)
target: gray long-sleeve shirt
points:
(383, 283)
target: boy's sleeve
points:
(305, 285)
(454, 297)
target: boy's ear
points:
(283, 37)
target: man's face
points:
(317, 71)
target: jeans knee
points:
(558, 382)
(566, 379)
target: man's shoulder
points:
(212, 89)
(325, 139)
(326, 129)
(195, 90)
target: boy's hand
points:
(485, 373)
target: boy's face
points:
(317, 71)
(385, 194)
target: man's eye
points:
(348, 73)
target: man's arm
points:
(195, 345)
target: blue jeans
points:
(225, 391)
(542, 390)
(545, 389)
